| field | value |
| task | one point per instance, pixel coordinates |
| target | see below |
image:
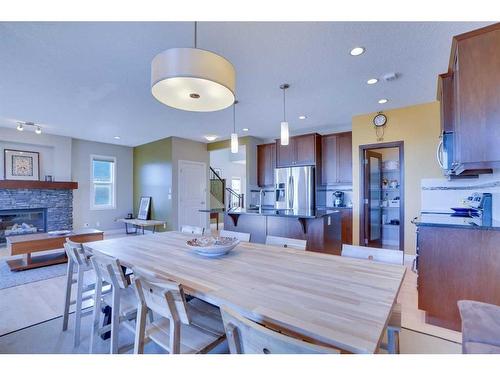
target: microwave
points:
(445, 153)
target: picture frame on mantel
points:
(21, 165)
(144, 209)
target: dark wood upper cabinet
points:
(266, 162)
(301, 150)
(470, 101)
(336, 159)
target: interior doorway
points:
(382, 195)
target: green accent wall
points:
(153, 177)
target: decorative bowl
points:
(212, 246)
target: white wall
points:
(55, 151)
(82, 213)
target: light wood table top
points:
(342, 302)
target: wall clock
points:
(380, 120)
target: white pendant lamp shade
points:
(193, 79)
(234, 143)
(285, 135)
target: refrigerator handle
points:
(290, 191)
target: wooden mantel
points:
(18, 184)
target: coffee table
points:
(31, 243)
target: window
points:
(102, 171)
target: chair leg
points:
(150, 314)
(140, 328)
(67, 296)
(97, 313)
(78, 311)
(115, 320)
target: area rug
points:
(8, 278)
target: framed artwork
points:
(144, 208)
(21, 165)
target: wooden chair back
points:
(76, 253)
(164, 297)
(239, 235)
(109, 269)
(247, 337)
(374, 254)
(286, 242)
(192, 229)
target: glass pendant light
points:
(193, 79)
(234, 135)
(285, 134)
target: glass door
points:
(373, 199)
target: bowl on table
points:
(212, 246)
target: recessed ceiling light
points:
(302, 117)
(372, 81)
(245, 129)
(356, 51)
(20, 127)
(383, 101)
(210, 138)
(116, 137)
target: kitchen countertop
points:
(433, 219)
(306, 214)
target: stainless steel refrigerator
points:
(294, 188)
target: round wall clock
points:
(380, 120)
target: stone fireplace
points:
(40, 210)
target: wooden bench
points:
(31, 243)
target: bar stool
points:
(78, 258)
(121, 300)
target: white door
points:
(192, 193)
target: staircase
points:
(223, 196)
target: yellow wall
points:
(418, 127)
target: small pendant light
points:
(285, 134)
(234, 135)
(193, 79)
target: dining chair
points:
(79, 264)
(122, 300)
(389, 257)
(192, 229)
(239, 235)
(480, 327)
(183, 327)
(247, 337)
(286, 242)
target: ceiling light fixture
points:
(20, 126)
(116, 137)
(372, 81)
(193, 79)
(210, 138)
(356, 51)
(302, 117)
(245, 129)
(38, 130)
(383, 101)
(234, 135)
(285, 132)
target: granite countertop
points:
(306, 214)
(434, 219)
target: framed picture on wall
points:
(21, 165)
(144, 209)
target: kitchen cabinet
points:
(266, 162)
(346, 221)
(301, 150)
(336, 159)
(470, 100)
(455, 264)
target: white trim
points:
(113, 184)
(179, 164)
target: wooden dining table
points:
(324, 299)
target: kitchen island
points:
(457, 258)
(321, 228)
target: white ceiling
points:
(92, 80)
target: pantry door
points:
(373, 199)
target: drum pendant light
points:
(234, 135)
(285, 135)
(193, 79)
